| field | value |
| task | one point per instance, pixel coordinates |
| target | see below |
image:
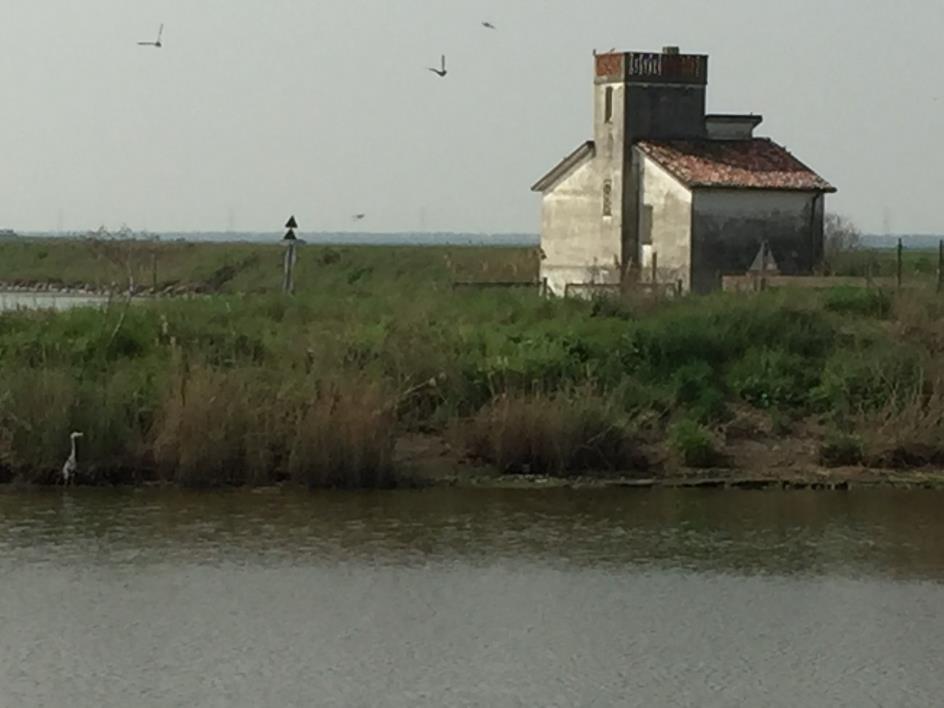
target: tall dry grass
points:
(248, 427)
(40, 407)
(554, 435)
(344, 437)
(908, 431)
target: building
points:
(667, 193)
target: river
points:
(453, 597)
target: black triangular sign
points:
(292, 224)
(290, 236)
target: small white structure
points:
(668, 195)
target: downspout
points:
(691, 243)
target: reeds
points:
(555, 435)
(247, 427)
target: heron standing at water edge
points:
(71, 465)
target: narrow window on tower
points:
(608, 105)
(607, 198)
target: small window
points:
(608, 105)
(607, 198)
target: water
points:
(471, 598)
(47, 301)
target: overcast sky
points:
(255, 109)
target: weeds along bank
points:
(318, 389)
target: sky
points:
(257, 109)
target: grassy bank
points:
(249, 388)
(232, 268)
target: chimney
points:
(670, 50)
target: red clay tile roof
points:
(758, 163)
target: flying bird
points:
(358, 217)
(489, 25)
(71, 465)
(158, 44)
(441, 73)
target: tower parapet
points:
(666, 67)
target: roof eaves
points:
(562, 168)
(825, 187)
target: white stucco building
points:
(666, 192)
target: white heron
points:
(71, 465)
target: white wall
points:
(721, 129)
(580, 245)
(665, 220)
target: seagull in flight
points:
(441, 73)
(158, 44)
(489, 25)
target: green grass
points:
(255, 268)
(694, 445)
(917, 266)
(250, 387)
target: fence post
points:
(940, 265)
(898, 271)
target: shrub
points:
(919, 319)
(840, 450)
(906, 433)
(718, 329)
(694, 444)
(867, 378)
(858, 301)
(551, 435)
(769, 378)
(696, 390)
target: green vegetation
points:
(101, 263)
(247, 387)
(840, 449)
(694, 444)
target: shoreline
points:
(425, 462)
(900, 481)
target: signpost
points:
(288, 262)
